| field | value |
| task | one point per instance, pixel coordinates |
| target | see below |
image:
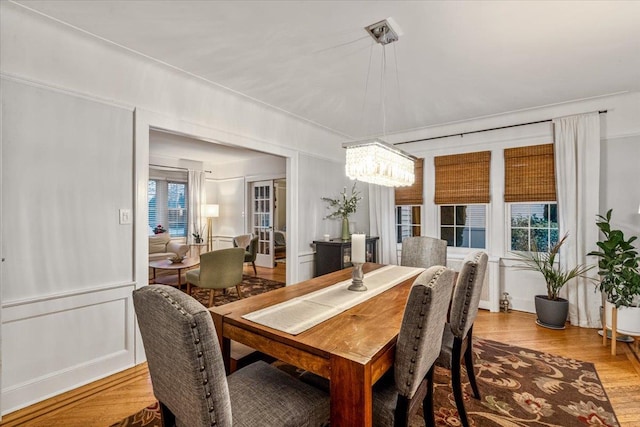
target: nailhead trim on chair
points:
(196, 341)
(426, 300)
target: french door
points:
(262, 221)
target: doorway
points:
(280, 220)
(262, 221)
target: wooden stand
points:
(614, 331)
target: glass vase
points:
(345, 229)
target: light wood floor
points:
(109, 400)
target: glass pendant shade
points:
(379, 163)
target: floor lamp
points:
(210, 212)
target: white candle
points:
(357, 248)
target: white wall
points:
(620, 161)
(228, 186)
(68, 102)
(322, 178)
(67, 168)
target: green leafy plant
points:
(343, 205)
(545, 263)
(618, 264)
(198, 235)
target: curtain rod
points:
(483, 130)
(173, 167)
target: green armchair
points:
(250, 245)
(219, 269)
(250, 254)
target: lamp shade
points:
(211, 211)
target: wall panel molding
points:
(98, 341)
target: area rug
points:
(251, 285)
(519, 387)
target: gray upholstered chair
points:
(219, 269)
(423, 251)
(398, 394)
(188, 376)
(457, 340)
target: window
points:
(463, 226)
(407, 222)
(168, 206)
(534, 226)
(530, 188)
(408, 205)
(462, 191)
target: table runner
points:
(304, 312)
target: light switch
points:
(125, 216)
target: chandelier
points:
(376, 161)
(379, 163)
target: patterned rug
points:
(251, 285)
(519, 387)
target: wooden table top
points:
(361, 333)
(168, 265)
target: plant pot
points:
(628, 319)
(552, 314)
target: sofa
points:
(161, 247)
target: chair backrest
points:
(423, 251)
(466, 294)
(279, 239)
(253, 249)
(183, 355)
(222, 268)
(242, 241)
(420, 336)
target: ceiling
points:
(173, 146)
(455, 61)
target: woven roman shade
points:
(462, 178)
(529, 174)
(412, 195)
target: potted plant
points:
(619, 276)
(551, 310)
(198, 235)
(344, 206)
(159, 229)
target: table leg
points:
(225, 343)
(179, 278)
(351, 393)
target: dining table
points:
(352, 349)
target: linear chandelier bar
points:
(377, 162)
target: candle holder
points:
(356, 278)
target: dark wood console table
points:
(335, 254)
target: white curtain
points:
(382, 221)
(577, 163)
(197, 198)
